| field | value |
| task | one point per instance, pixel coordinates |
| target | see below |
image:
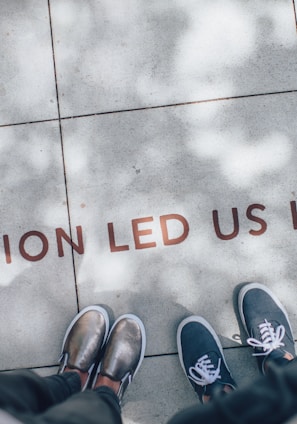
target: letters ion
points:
(60, 234)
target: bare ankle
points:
(288, 356)
(103, 380)
(226, 389)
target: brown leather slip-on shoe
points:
(84, 340)
(124, 352)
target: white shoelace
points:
(271, 338)
(204, 372)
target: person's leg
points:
(123, 356)
(25, 391)
(87, 407)
(269, 400)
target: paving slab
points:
(27, 83)
(114, 56)
(160, 389)
(157, 195)
(37, 286)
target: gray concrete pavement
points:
(148, 163)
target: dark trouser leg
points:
(56, 399)
(26, 392)
(269, 400)
(98, 406)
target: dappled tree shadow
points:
(190, 156)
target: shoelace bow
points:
(204, 372)
(271, 338)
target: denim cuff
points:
(109, 395)
(62, 386)
(73, 380)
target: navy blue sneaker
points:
(202, 358)
(267, 325)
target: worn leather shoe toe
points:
(84, 340)
(124, 351)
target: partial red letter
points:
(254, 218)
(219, 234)
(113, 247)
(139, 233)
(60, 233)
(44, 241)
(163, 221)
